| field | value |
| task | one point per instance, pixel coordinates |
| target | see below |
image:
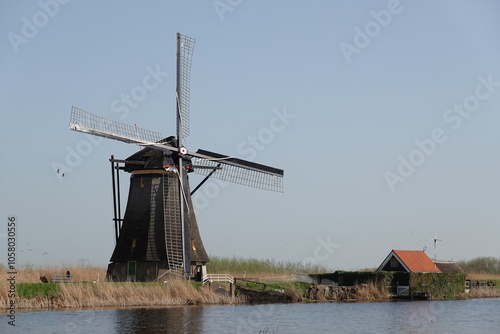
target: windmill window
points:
(193, 245)
(394, 263)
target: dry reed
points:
(370, 292)
(91, 290)
(491, 292)
(32, 274)
(360, 293)
(108, 294)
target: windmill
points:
(159, 233)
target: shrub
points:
(486, 265)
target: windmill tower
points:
(159, 232)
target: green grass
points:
(301, 287)
(49, 290)
(197, 285)
(221, 265)
(271, 286)
(37, 290)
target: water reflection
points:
(452, 316)
(165, 320)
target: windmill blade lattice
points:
(86, 122)
(83, 121)
(186, 48)
(238, 171)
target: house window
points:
(394, 263)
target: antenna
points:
(435, 240)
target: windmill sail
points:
(185, 48)
(234, 170)
(82, 121)
(238, 171)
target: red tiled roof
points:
(416, 261)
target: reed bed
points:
(90, 289)
(32, 274)
(360, 293)
(109, 294)
(177, 292)
(370, 292)
(491, 292)
(252, 267)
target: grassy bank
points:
(90, 289)
(259, 278)
(109, 294)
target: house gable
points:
(394, 264)
(409, 261)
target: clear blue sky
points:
(388, 131)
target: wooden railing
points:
(218, 278)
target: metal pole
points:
(118, 198)
(205, 179)
(114, 196)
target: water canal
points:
(454, 316)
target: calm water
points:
(464, 316)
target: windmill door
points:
(131, 270)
